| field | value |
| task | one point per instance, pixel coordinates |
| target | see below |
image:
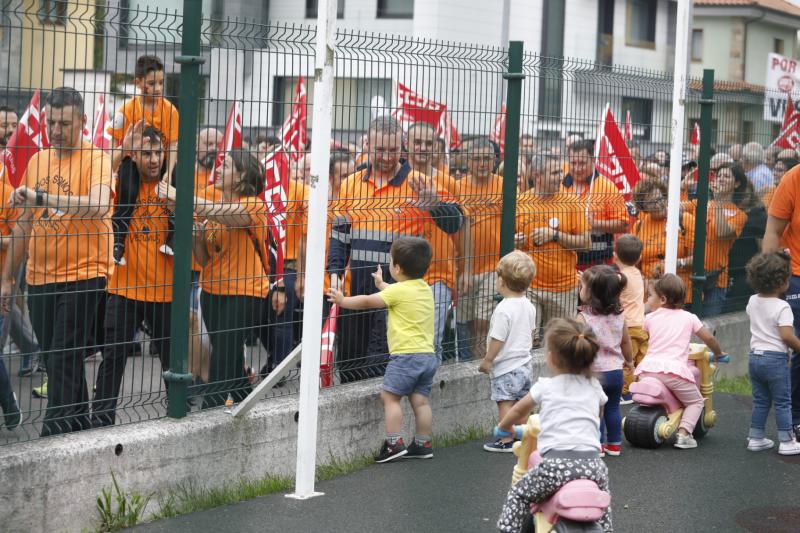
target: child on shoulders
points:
(772, 340)
(510, 340)
(670, 328)
(570, 404)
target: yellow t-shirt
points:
(410, 327)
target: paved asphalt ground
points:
(718, 487)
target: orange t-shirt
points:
(768, 196)
(652, 233)
(8, 215)
(605, 201)
(163, 116)
(235, 267)
(63, 247)
(296, 217)
(784, 206)
(203, 190)
(555, 265)
(146, 275)
(717, 249)
(442, 267)
(483, 204)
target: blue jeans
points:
(793, 299)
(442, 300)
(611, 423)
(6, 390)
(280, 328)
(713, 300)
(769, 376)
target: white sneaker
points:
(685, 442)
(166, 249)
(790, 447)
(626, 402)
(757, 445)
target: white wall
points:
(716, 47)
(759, 43)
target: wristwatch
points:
(555, 236)
(39, 198)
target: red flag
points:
(276, 185)
(411, 107)
(294, 133)
(789, 137)
(29, 137)
(232, 139)
(326, 349)
(614, 161)
(102, 121)
(498, 134)
(695, 140)
(628, 126)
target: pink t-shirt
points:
(668, 349)
(608, 329)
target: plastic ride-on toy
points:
(575, 507)
(657, 415)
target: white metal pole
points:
(678, 126)
(315, 252)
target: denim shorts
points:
(512, 386)
(410, 373)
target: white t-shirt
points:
(766, 316)
(513, 322)
(569, 411)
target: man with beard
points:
(8, 123)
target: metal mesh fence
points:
(418, 149)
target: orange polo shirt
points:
(482, 202)
(8, 215)
(163, 116)
(653, 234)
(235, 266)
(146, 275)
(556, 266)
(717, 249)
(296, 217)
(603, 199)
(63, 247)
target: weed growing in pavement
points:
(129, 507)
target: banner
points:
(783, 79)
(789, 137)
(613, 160)
(628, 127)
(695, 140)
(232, 140)
(498, 134)
(29, 137)
(326, 348)
(101, 125)
(411, 107)
(294, 133)
(275, 197)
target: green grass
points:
(740, 385)
(192, 497)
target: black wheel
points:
(568, 526)
(641, 426)
(701, 429)
(527, 524)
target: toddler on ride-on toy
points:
(570, 404)
(667, 360)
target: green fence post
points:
(703, 162)
(190, 61)
(514, 75)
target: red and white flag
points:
(326, 348)
(614, 161)
(498, 135)
(232, 140)
(29, 137)
(695, 140)
(628, 127)
(294, 134)
(411, 107)
(789, 136)
(101, 125)
(275, 197)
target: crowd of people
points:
(95, 229)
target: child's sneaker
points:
(626, 399)
(391, 451)
(685, 442)
(796, 430)
(499, 446)
(757, 445)
(119, 253)
(166, 249)
(419, 451)
(789, 447)
(612, 449)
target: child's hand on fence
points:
(279, 299)
(485, 367)
(335, 296)
(377, 278)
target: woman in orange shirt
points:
(230, 247)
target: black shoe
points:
(419, 451)
(119, 253)
(389, 452)
(11, 412)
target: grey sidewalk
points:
(718, 487)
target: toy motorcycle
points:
(577, 506)
(658, 413)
